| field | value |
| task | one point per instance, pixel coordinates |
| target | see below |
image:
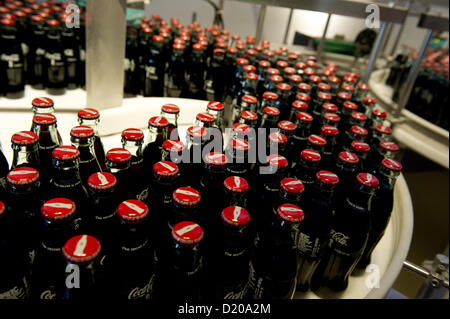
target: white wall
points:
(241, 18)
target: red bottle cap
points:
(186, 196)
(241, 128)
(278, 138)
(324, 87)
(292, 186)
(344, 96)
(198, 47)
(306, 88)
(363, 86)
(23, 138)
(173, 146)
(352, 75)
(133, 134)
(311, 156)
(82, 249)
(66, 153)
(358, 116)
(389, 146)
(369, 100)
(290, 213)
(157, 38)
(165, 169)
(249, 68)
(334, 80)
(348, 158)
(348, 87)
(311, 63)
(350, 106)
(329, 130)
(271, 111)
(82, 132)
(2, 208)
(196, 131)
(299, 106)
(205, 118)
(303, 97)
(102, 181)
(118, 155)
(158, 122)
(379, 113)
(177, 46)
(332, 117)
(327, 72)
(383, 129)
(58, 209)
(270, 96)
(216, 159)
(324, 96)
(187, 233)
(300, 65)
(232, 50)
(309, 72)
(252, 76)
(88, 114)
(36, 18)
(349, 79)
(170, 109)
(281, 64)
(367, 180)
(287, 126)
(132, 211)
(241, 61)
(249, 99)
(240, 144)
(215, 106)
(391, 165)
(327, 178)
(44, 119)
(315, 79)
(272, 71)
(329, 107)
(289, 70)
(236, 184)
(276, 79)
(360, 147)
(296, 79)
(359, 131)
(22, 176)
(249, 116)
(42, 102)
(317, 140)
(236, 216)
(53, 23)
(217, 51)
(304, 117)
(284, 87)
(264, 64)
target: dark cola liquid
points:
(4, 166)
(46, 147)
(172, 132)
(88, 164)
(152, 155)
(139, 183)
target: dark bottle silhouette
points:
(55, 80)
(36, 56)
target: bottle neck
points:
(361, 197)
(91, 123)
(55, 235)
(171, 118)
(132, 237)
(66, 172)
(25, 155)
(186, 259)
(135, 148)
(234, 240)
(85, 146)
(48, 135)
(156, 135)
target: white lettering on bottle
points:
(47, 294)
(14, 293)
(341, 238)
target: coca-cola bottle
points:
(273, 268)
(207, 120)
(134, 256)
(48, 271)
(307, 167)
(330, 133)
(172, 151)
(379, 133)
(286, 98)
(91, 117)
(248, 103)
(288, 129)
(317, 143)
(211, 183)
(290, 191)
(335, 84)
(193, 156)
(102, 222)
(303, 131)
(385, 149)
(131, 62)
(238, 162)
(348, 236)
(355, 133)
(132, 141)
(388, 171)
(360, 149)
(66, 181)
(348, 108)
(12, 79)
(25, 145)
(82, 254)
(215, 81)
(157, 126)
(362, 89)
(43, 105)
(231, 254)
(118, 162)
(368, 103)
(182, 278)
(13, 274)
(54, 62)
(82, 137)
(196, 73)
(346, 167)
(313, 238)
(71, 55)
(44, 125)
(350, 89)
(171, 112)
(217, 110)
(153, 68)
(36, 55)
(377, 117)
(175, 78)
